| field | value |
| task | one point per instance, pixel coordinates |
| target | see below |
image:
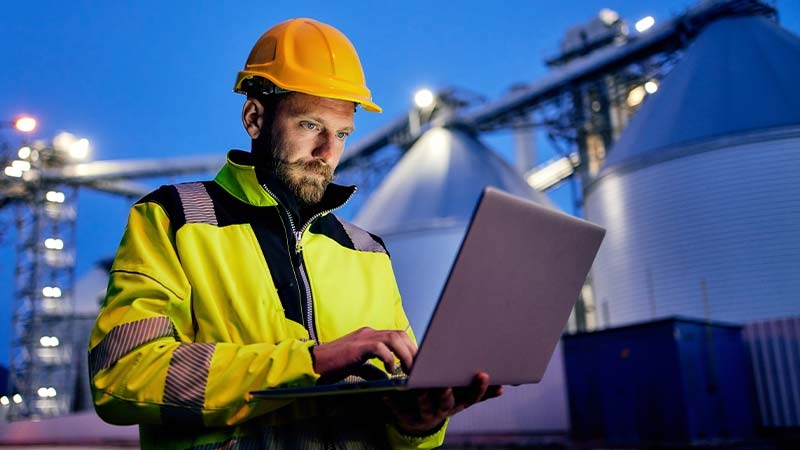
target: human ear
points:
(253, 117)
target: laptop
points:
(516, 277)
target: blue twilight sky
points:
(152, 79)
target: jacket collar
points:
(243, 180)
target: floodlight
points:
(22, 166)
(608, 16)
(49, 341)
(645, 24)
(51, 291)
(54, 244)
(26, 124)
(13, 172)
(79, 149)
(636, 95)
(424, 98)
(55, 197)
(68, 143)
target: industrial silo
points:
(698, 195)
(421, 211)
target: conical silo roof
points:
(437, 183)
(739, 75)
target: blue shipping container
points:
(672, 381)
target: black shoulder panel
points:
(193, 202)
(349, 235)
(167, 197)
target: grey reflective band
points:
(126, 337)
(187, 378)
(197, 204)
(361, 239)
(188, 375)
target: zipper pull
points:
(298, 239)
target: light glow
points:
(26, 124)
(55, 197)
(13, 172)
(4, 401)
(17, 398)
(54, 244)
(552, 173)
(22, 166)
(79, 149)
(63, 141)
(51, 291)
(636, 96)
(608, 16)
(651, 87)
(49, 341)
(46, 392)
(424, 98)
(645, 24)
(24, 152)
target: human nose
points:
(326, 146)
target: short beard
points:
(308, 189)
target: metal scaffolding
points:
(41, 374)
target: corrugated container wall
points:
(774, 347)
(696, 390)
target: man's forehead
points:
(300, 103)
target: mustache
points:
(317, 166)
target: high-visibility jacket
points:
(220, 288)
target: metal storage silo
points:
(421, 211)
(698, 194)
(425, 203)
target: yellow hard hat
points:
(305, 55)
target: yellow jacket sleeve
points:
(145, 364)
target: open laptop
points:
(509, 294)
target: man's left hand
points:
(421, 412)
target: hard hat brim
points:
(335, 92)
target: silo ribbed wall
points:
(711, 230)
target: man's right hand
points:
(335, 359)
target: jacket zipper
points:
(298, 250)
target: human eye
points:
(342, 135)
(306, 125)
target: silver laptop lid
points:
(510, 292)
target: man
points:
(249, 282)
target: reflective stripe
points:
(185, 387)
(361, 239)
(126, 337)
(197, 204)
